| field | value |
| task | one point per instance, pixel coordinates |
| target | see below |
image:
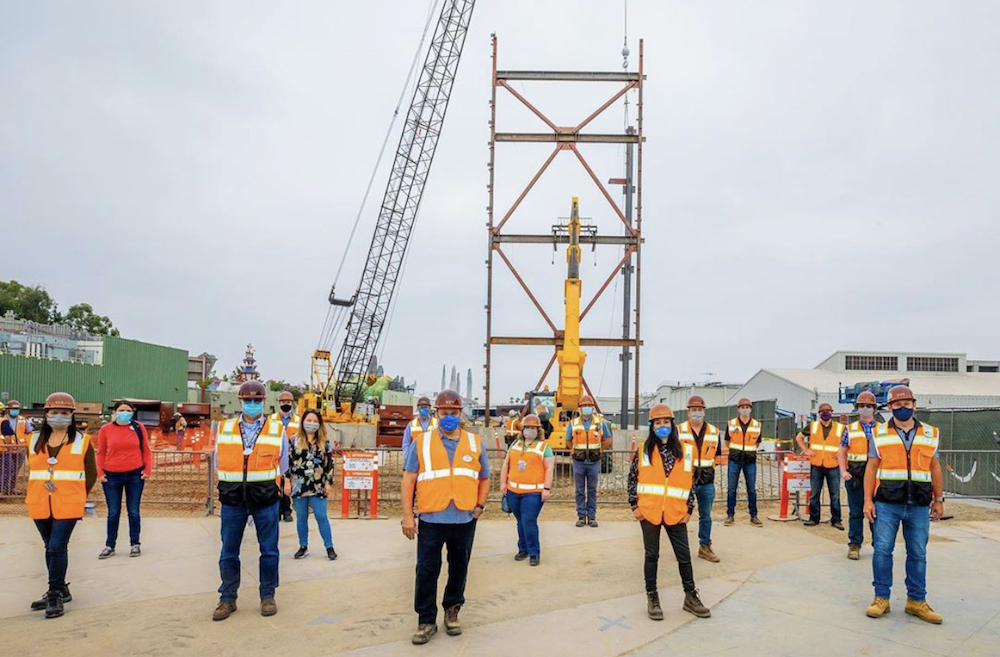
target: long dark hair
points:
(673, 442)
(46, 431)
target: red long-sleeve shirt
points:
(118, 450)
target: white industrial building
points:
(939, 380)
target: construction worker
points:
(448, 471)
(423, 422)
(742, 438)
(902, 479)
(588, 436)
(62, 470)
(852, 459)
(705, 437)
(251, 452)
(511, 427)
(659, 492)
(823, 436)
(14, 432)
(526, 480)
(290, 424)
(15, 429)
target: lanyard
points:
(248, 448)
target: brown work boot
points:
(653, 605)
(268, 607)
(878, 608)
(728, 522)
(452, 626)
(923, 611)
(755, 521)
(692, 603)
(424, 633)
(705, 552)
(854, 552)
(224, 610)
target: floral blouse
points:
(311, 470)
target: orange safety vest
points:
(905, 476)
(857, 447)
(588, 439)
(68, 475)
(261, 464)
(291, 432)
(439, 482)
(531, 478)
(664, 500)
(744, 443)
(709, 445)
(417, 431)
(512, 427)
(825, 448)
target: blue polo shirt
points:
(452, 515)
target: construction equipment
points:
(849, 394)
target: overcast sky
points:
(818, 176)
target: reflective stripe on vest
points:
(262, 464)
(67, 476)
(664, 499)
(439, 483)
(709, 445)
(584, 438)
(893, 456)
(825, 448)
(748, 442)
(533, 476)
(857, 446)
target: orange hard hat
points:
(660, 411)
(449, 399)
(866, 397)
(61, 401)
(424, 401)
(586, 400)
(285, 396)
(253, 390)
(744, 402)
(825, 407)
(901, 393)
(696, 401)
(531, 421)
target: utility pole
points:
(627, 270)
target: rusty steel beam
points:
(614, 240)
(569, 76)
(566, 138)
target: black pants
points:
(55, 535)
(284, 502)
(431, 537)
(679, 541)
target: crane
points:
(371, 303)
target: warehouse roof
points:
(969, 384)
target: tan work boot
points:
(693, 604)
(854, 552)
(755, 521)
(878, 608)
(268, 607)
(728, 522)
(705, 552)
(224, 610)
(424, 633)
(451, 623)
(653, 605)
(923, 611)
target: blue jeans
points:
(856, 505)
(526, 508)
(234, 522)
(916, 521)
(817, 475)
(318, 505)
(55, 536)
(131, 484)
(585, 477)
(749, 471)
(705, 494)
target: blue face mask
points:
(587, 411)
(252, 408)
(14, 412)
(424, 411)
(449, 422)
(662, 432)
(902, 414)
(123, 417)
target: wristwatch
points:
(939, 499)
(480, 506)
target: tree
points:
(30, 303)
(83, 318)
(277, 386)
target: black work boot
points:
(53, 604)
(43, 602)
(692, 603)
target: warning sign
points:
(800, 484)
(360, 470)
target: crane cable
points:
(432, 9)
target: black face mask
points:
(286, 407)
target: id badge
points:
(248, 451)
(49, 486)
(309, 472)
(522, 466)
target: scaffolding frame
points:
(566, 138)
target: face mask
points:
(252, 408)
(14, 412)
(424, 411)
(124, 417)
(285, 408)
(587, 411)
(697, 415)
(449, 422)
(745, 413)
(902, 414)
(825, 416)
(311, 426)
(530, 434)
(866, 414)
(60, 421)
(662, 432)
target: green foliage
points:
(30, 303)
(83, 318)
